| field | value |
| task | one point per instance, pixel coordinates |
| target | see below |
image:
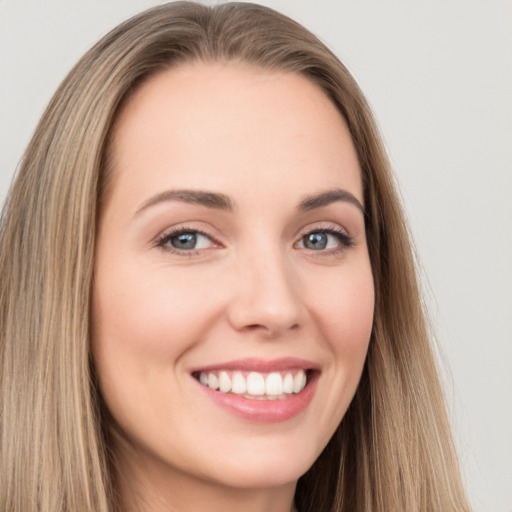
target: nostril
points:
(270, 330)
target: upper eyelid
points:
(185, 228)
(322, 226)
(178, 231)
(342, 233)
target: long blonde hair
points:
(393, 450)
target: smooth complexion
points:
(232, 240)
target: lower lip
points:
(264, 411)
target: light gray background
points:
(438, 74)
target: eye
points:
(186, 240)
(325, 240)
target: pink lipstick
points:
(260, 390)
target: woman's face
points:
(233, 294)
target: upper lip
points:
(261, 365)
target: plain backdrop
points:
(438, 74)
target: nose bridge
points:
(266, 297)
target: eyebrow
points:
(208, 199)
(328, 197)
(220, 201)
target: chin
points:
(265, 467)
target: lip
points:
(260, 365)
(263, 411)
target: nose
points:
(267, 299)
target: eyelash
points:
(345, 240)
(167, 237)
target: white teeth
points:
(288, 383)
(274, 384)
(224, 382)
(213, 381)
(299, 381)
(255, 384)
(238, 384)
(267, 386)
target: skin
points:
(252, 288)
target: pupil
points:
(315, 241)
(184, 241)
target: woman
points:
(177, 333)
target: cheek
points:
(344, 313)
(344, 309)
(148, 314)
(144, 322)
(142, 328)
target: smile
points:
(256, 385)
(258, 390)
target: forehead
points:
(221, 124)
